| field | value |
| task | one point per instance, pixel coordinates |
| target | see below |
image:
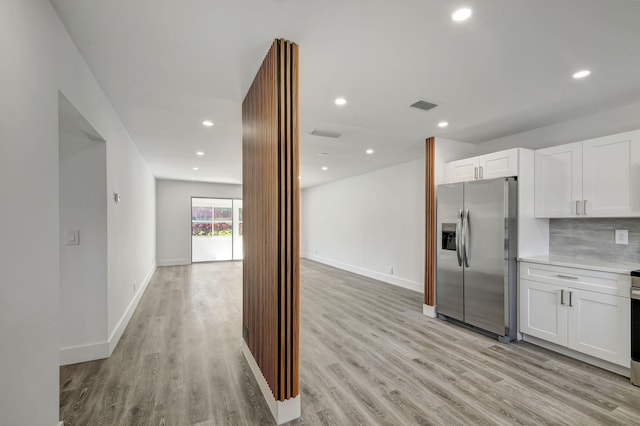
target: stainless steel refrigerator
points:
(476, 261)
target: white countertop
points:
(592, 264)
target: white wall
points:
(83, 267)
(38, 60)
(603, 123)
(173, 207)
(371, 222)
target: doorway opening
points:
(83, 236)
(216, 229)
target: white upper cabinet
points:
(611, 173)
(558, 181)
(595, 178)
(489, 166)
(498, 164)
(462, 170)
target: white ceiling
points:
(167, 65)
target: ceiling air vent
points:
(424, 105)
(326, 133)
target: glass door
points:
(237, 229)
(216, 229)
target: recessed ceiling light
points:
(461, 14)
(581, 74)
(369, 151)
(443, 124)
(195, 168)
(325, 168)
(199, 153)
(207, 123)
(340, 101)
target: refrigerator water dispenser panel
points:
(449, 236)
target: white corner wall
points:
(173, 207)
(83, 267)
(38, 60)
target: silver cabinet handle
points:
(481, 173)
(475, 173)
(635, 293)
(577, 208)
(584, 207)
(562, 297)
(571, 299)
(465, 235)
(566, 277)
(459, 237)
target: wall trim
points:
(386, 278)
(83, 353)
(100, 350)
(115, 336)
(429, 311)
(606, 365)
(282, 411)
(173, 262)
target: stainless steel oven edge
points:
(635, 328)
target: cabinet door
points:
(462, 170)
(600, 326)
(541, 313)
(558, 181)
(498, 164)
(611, 176)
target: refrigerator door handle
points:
(465, 236)
(459, 237)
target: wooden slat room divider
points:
(430, 225)
(271, 219)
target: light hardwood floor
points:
(368, 356)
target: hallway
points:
(368, 356)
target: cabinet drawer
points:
(584, 279)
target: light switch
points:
(73, 237)
(622, 236)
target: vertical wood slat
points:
(271, 222)
(430, 219)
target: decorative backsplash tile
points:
(594, 238)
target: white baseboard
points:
(83, 353)
(389, 279)
(282, 411)
(122, 324)
(100, 350)
(429, 311)
(605, 365)
(173, 262)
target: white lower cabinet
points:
(599, 325)
(541, 314)
(556, 307)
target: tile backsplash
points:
(594, 238)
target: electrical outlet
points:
(134, 288)
(390, 270)
(622, 236)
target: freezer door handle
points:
(459, 237)
(465, 236)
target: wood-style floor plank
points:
(368, 356)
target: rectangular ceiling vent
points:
(326, 133)
(424, 105)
